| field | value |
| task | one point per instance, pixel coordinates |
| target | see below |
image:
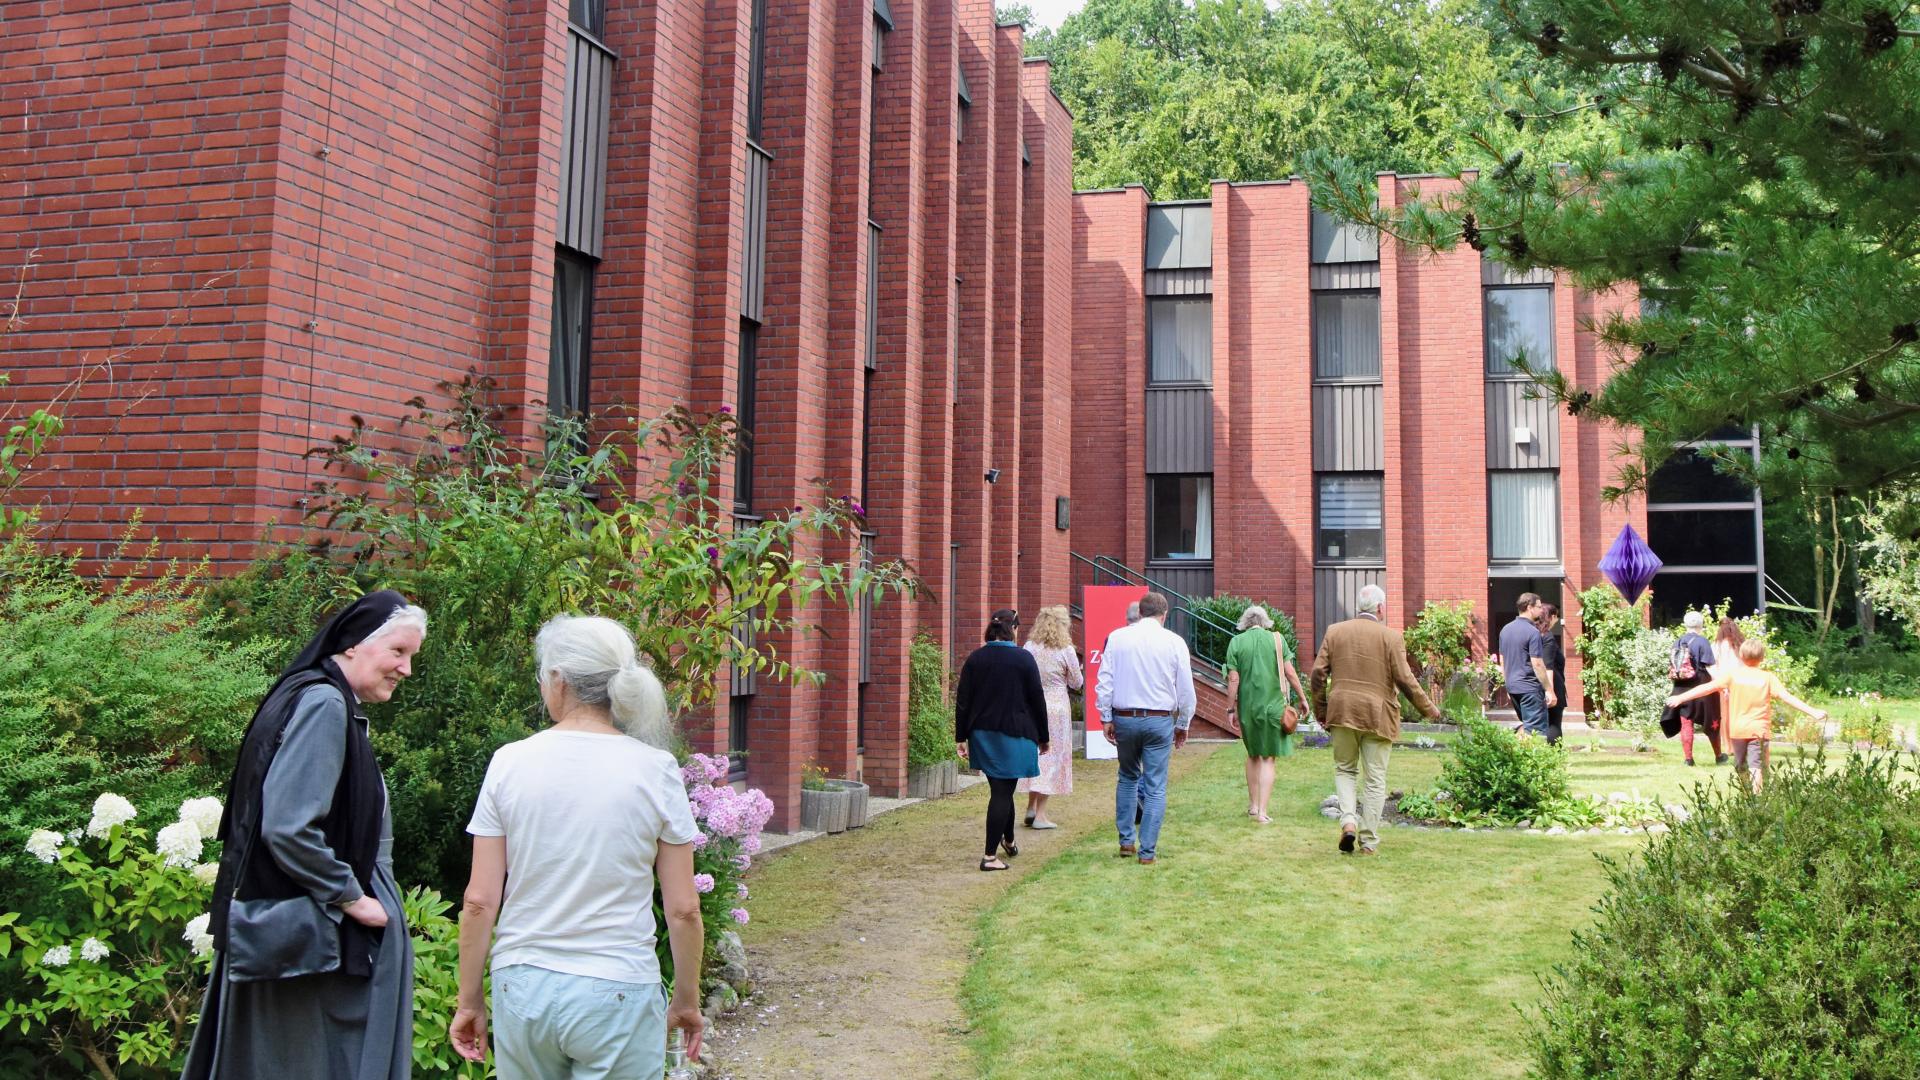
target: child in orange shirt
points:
(1751, 692)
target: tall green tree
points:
(1760, 187)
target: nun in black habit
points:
(313, 972)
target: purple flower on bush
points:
(726, 410)
(699, 841)
(703, 883)
(713, 553)
(455, 449)
(739, 915)
(740, 889)
(743, 861)
(858, 510)
(686, 487)
(373, 453)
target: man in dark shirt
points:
(1523, 659)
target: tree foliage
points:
(1759, 186)
(1174, 95)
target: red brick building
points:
(1288, 409)
(850, 222)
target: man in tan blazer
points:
(1357, 681)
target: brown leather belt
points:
(1142, 712)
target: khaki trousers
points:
(1360, 773)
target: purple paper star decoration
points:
(1630, 564)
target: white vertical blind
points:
(1181, 340)
(1525, 515)
(1346, 335)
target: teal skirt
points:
(1002, 756)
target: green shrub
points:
(1608, 627)
(1439, 644)
(929, 705)
(493, 541)
(436, 987)
(116, 681)
(1497, 774)
(1210, 641)
(1773, 935)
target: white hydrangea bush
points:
(122, 983)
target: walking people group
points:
(313, 967)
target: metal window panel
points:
(1509, 410)
(1179, 236)
(1194, 282)
(1349, 431)
(1493, 272)
(873, 296)
(753, 256)
(1334, 241)
(1336, 594)
(1180, 430)
(583, 144)
(1354, 275)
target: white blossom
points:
(44, 845)
(75, 836)
(58, 956)
(206, 872)
(180, 842)
(204, 813)
(93, 950)
(109, 810)
(196, 935)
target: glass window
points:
(748, 392)
(1519, 323)
(588, 15)
(1691, 477)
(873, 296)
(739, 713)
(1352, 519)
(1675, 594)
(880, 29)
(1524, 516)
(1703, 537)
(1180, 340)
(1346, 335)
(572, 340)
(757, 70)
(1181, 509)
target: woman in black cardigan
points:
(1000, 724)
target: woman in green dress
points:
(1259, 669)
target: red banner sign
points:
(1103, 610)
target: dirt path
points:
(859, 941)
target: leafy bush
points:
(117, 680)
(1439, 644)
(1210, 641)
(116, 982)
(1608, 627)
(436, 986)
(1774, 934)
(1495, 773)
(929, 704)
(493, 540)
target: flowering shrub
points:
(730, 823)
(116, 993)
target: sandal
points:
(985, 865)
(1009, 848)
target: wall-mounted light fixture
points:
(993, 476)
(1062, 512)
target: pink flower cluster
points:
(720, 811)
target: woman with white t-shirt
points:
(572, 827)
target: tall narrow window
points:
(1352, 519)
(748, 392)
(1519, 324)
(1524, 515)
(739, 713)
(1180, 340)
(1180, 509)
(572, 339)
(588, 15)
(966, 106)
(866, 436)
(1346, 336)
(757, 70)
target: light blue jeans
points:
(550, 1026)
(1146, 746)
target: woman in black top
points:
(1554, 650)
(1000, 724)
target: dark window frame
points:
(1155, 302)
(569, 266)
(757, 72)
(1313, 338)
(588, 15)
(1508, 373)
(1154, 557)
(1369, 561)
(746, 393)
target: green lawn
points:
(1255, 951)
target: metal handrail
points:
(1177, 601)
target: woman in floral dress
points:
(1051, 644)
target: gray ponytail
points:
(595, 658)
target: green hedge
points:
(1210, 643)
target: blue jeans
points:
(1146, 745)
(551, 1026)
(1532, 708)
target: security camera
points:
(993, 476)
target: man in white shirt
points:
(1145, 691)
